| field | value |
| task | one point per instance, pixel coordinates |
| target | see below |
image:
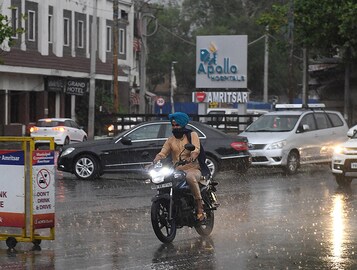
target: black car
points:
(132, 150)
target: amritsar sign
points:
(221, 61)
(220, 97)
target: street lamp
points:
(173, 85)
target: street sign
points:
(160, 102)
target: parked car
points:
(344, 159)
(132, 150)
(63, 130)
(292, 137)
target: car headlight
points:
(67, 151)
(276, 145)
(339, 149)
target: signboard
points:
(220, 97)
(54, 84)
(75, 86)
(221, 61)
(160, 102)
(12, 188)
(43, 183)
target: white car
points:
(344, 159)
(292, 137)
(63, 130)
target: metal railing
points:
(226, 122)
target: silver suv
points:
(344, 159)
(292, 137)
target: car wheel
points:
(86, 167)
(292, 163)
(66, 141)
(342, 180)
(84, 139)
(212, 165)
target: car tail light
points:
(239, 146)
(34, 129)
(60, 129)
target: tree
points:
(328, 28)
(178, 27)
(7, 31)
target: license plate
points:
(165, 185)
(354, 165)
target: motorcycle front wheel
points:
(164, 228)
(205, 227)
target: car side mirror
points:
(305, 127)
(126, 141)
(351, 133)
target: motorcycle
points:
(174, 207)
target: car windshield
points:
(49, 123)
(273, 123)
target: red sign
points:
(160, 102)
(200, 96)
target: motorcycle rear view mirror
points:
(190, 147)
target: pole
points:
(172, 86)
(93, 55)
(115, 56)
(305, 77)
(143, 52)
(266, 64)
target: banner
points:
(12, 189)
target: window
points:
(124, 15)
(147, 132)
(80, 34)
(50, 27)
(14, 21)
(308, 120)
(335, 119)
(31, 25)
(322, 121)
(109, 38)
(121, 41)
(66, 32)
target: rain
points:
(266, 220)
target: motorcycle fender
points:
(161, 196)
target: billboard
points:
(221, 61)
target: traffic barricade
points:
(27, 191)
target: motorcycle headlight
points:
(276, 145)
(67, 151)
(158, 176)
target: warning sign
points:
(43, 175)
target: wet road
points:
(265, 221)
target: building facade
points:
(46, 72)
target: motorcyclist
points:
(175, 145)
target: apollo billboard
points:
(221, 61)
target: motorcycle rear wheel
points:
(164, 228)
(205, 228)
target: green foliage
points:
(176, 37)
(327, 27)
(6, 31)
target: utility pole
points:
(143, 53)
(305, 78)
(266, 64)
(115, 55)
(93, 56)
(291, 91)
(172, 86)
